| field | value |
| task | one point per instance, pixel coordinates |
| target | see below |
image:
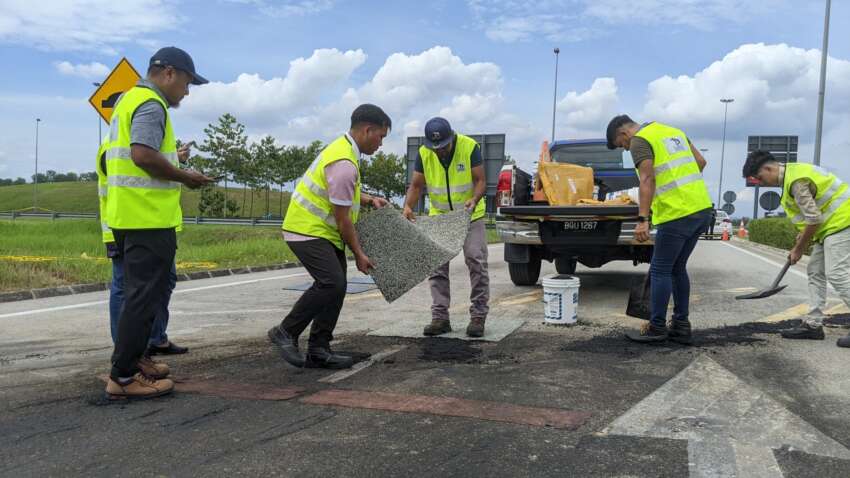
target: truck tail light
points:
(504, 188)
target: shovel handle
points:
(781, 274)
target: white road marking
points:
(176, 291)
(344, 374)
(732, 427)
(765, 259)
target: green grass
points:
(82, 197)
(43, 253)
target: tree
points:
(88, 177)
(226, 144)
(266, 158)
(384, 175)
(20, 181)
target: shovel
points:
(773, 289)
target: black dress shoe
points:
(322, 357)
(170, 349)
(648, 334)
(288, 346)
(804, 331)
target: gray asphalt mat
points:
(356, 285)
(406, 253)
(495, 329)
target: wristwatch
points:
(642, 219)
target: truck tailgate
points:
(570, 211)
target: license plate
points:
(580, 225)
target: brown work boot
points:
(140, 387)
(438, 327)
(475, 327)
(154, 370)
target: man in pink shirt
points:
(317, 227)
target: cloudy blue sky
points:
(295, 69)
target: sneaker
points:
(648, 333)
(438, 327)
(138, 388)
(844, 341)
(153, 369)
(804, 331)
(680, 331)
(288, 346)
(475, 327)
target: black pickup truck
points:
(590, 235)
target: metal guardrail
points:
(214, 221)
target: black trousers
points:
(148, 256)
(321, 303)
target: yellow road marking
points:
(787, 314)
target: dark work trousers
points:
(322, 302)
(148, 257)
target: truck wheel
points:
(525, 273)
(565, 265)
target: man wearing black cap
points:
(143, 211)
(672, 189)
(451, 167)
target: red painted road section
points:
(451, 407)
(242, 391)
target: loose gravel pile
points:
(406, 253)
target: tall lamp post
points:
(822, 89)
(555, 96)
(35, 178)
(99, 134)
(725, 102)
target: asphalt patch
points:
(448, 350)
(737, 335)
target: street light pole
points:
(555, 96)
(822, 89)
(35, 178)
(725, 102)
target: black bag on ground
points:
(639, 298)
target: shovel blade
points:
(762, 293)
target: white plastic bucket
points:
(560, 299)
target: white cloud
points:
(775, 89)
(253, 98)
(289, 8)
(84, 25)
(88, 71)
(511, 21)
(590, 110)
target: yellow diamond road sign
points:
(122, 78)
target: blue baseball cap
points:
(438, 133)
(179, 59)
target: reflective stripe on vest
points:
(136, 200)
(832, 198)
(679, 185)
(310, 211)
(102, 192)
(449, 189)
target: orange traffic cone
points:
(742, 233)
(725, 236)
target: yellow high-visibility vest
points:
(679, 187)
(833, 199)
(310, 210)
(450, 188)
(103, 191)
(136, 200)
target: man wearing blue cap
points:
(451, 166)
(143, 211)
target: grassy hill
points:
(82, 197)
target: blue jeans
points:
(674, 243)
(116, 301)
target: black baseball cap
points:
(438, 133)
(179, 59)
